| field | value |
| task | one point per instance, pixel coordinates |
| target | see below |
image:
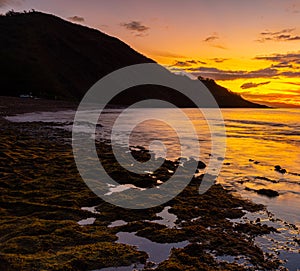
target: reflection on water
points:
(257, 141)
(167, 219)
(87, 221)
(283, 242)
(157, 252)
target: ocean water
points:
(256, 141)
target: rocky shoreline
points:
(42, 200)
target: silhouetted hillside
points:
(53, 58)
(50, 57)
(226, 97)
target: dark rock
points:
(297, 241)
(201, 165)
(280, 169)
(150, 265)
(189, 163)
(277, 167)
(267, 192)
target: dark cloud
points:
(217, 74)
(291, 74)
(182, 64)
(283, 35)
(188, 63)
(219, 60)
(220, 46)
(196, 62)
(136, 27)
(254, 85)
(282, 65)
(213, 41)
(289, 61)
(76, 19)
(211, 38)
(282, 60)
(284, 31)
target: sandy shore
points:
(41, 202)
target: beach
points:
(50, 220)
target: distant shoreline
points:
(14, 105)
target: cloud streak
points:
(218, 74)
(188, 63)
(283, 35)
(76, 19)
(280, 61)
(293, 83)
(253, 85)
(219, 60)
(223, 75)
(136, 27)
(212, 40)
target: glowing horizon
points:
(251, 48)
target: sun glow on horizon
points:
(262, 81)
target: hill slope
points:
(226, 97)
(53, 58)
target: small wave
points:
(290, 192)
(255, 122)
(266, 179)
(294, 173)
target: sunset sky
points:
(250, 47)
